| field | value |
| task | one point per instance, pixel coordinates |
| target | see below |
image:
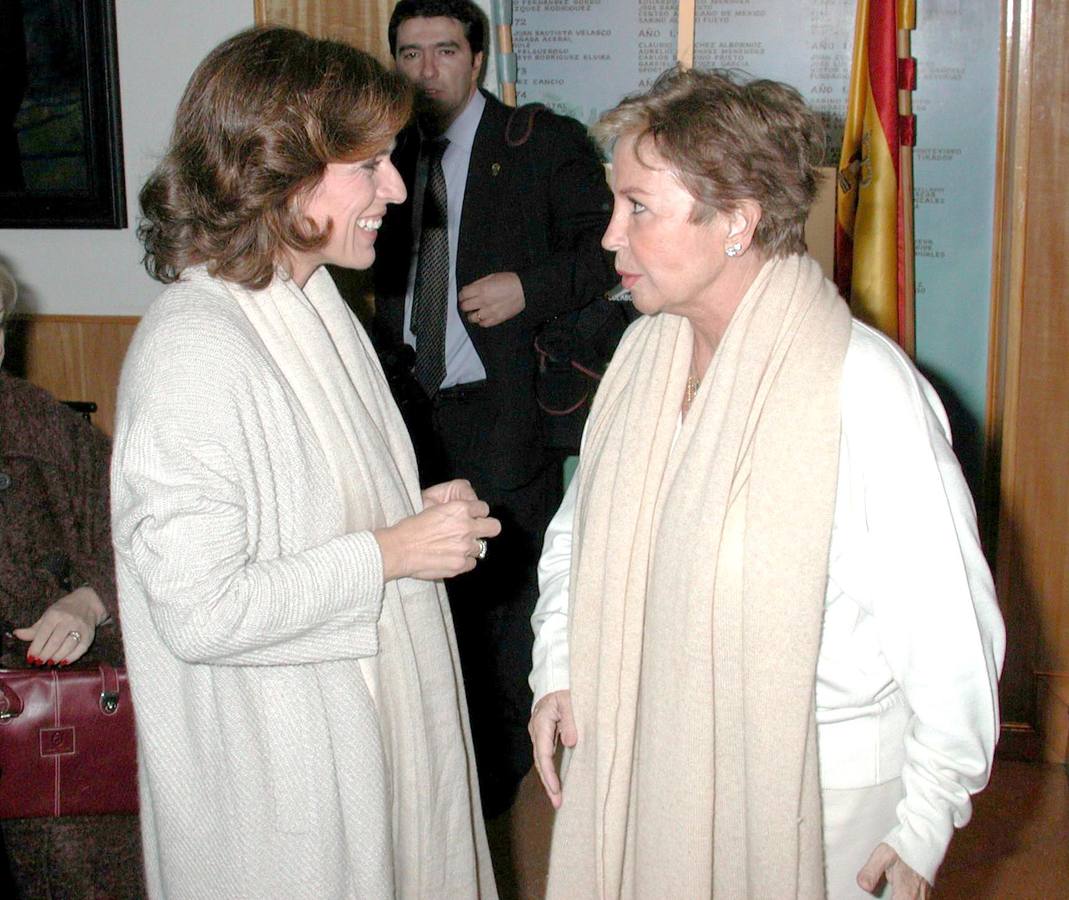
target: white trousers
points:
(855, 822)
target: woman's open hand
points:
(885, 862)
(440, 542)
(551, 720)
(66, 630)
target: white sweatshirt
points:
(913, 641)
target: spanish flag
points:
(874, 203)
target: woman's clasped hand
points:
(441, 541)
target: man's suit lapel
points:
(481, 199)
(480, 194)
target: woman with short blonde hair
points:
(767, 635)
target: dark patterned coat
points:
(55, 535)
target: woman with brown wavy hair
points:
(301, 723)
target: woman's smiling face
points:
(350, 200)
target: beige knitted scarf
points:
(438, 843)
(698, 578)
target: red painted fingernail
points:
(51, 662)
(64, 662)
(32, 660)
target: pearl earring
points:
(733, 249)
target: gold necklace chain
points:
(691, 390)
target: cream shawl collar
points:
(434, 833)
(698, 576)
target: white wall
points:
(97, 271)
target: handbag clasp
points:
(109, 690)
(10, 703)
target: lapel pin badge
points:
(494, 169)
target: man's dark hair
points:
(470, 17)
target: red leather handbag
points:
(67, 745)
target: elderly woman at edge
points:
(57, 581)
(766, 630)
(301, 723)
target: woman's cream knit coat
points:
(267, 767)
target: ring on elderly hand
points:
(475, 317)
(74, 634)
(482, 548)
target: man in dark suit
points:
(526, 207)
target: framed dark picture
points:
(61, 160)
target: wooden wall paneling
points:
(1029, 381)
(104, 346)
(1042, 480)
(1017, 687)
(73, 357)
(361, 23)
